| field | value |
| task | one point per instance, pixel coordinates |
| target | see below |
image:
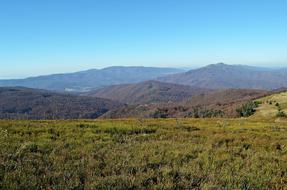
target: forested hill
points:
(25, 103)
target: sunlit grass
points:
(137, 154)
(269, 107)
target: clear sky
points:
(53, 36)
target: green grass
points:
(269, 106)
(144, 154)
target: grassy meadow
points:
(271, 104)
(144, 154)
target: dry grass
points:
(269, 106)
(143, 154)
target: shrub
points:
(160, 113)
(281, 114)
(201, 112)
(247, 109)
(33, 148)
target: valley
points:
(207, 153)
(143, 135)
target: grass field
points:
(269, 107)
(144, 154)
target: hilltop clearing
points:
(273, 106)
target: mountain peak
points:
(218, 65)
(222, 76)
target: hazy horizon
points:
(184, 69)
(61, 36)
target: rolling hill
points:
(222, 76)
(147, 92)
(24, 103)
(226, 100)
(220, 103)
(91, 79)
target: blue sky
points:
(54, 36)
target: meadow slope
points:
(270, 106)
(144, 154)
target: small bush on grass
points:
(247, 109)
(281, 114)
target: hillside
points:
(226, 100)
(91, 79)
(220, 103)
(147, 92)
(24, 103)
(222, 76)
(179, 101)
(271, 105)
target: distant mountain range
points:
(25, 103)
(147, 92)
(91, 79)
(222, 76)
(216, 76)
(121, 92)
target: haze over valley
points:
(136, 92)
(214, 76)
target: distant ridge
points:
(147, 92)
(91, 79)
(25, 103)
(215, 76)
(223, 76)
